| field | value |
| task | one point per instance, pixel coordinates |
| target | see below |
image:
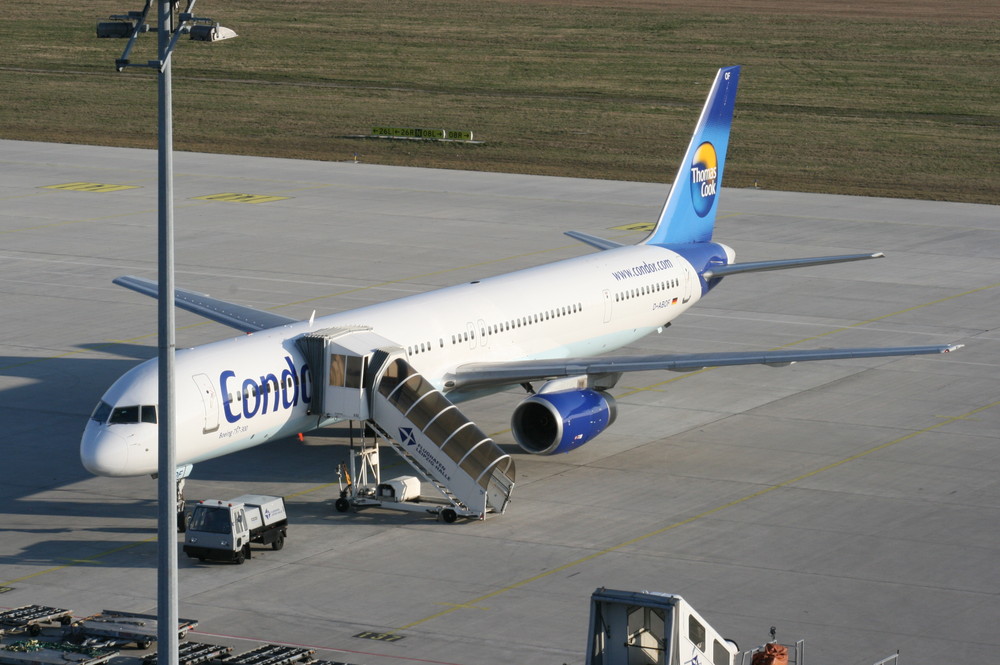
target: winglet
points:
(688, 214)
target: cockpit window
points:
(125, 415)
(102, 412)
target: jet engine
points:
(558, 422)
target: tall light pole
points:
(170, 26)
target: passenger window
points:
(696, 633)
(354, 371)
(337, 364)
(394, 375)
(720, 656)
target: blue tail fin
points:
(689, 212)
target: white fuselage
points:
(245, 391)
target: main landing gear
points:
(181, 515)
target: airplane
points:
(551, 329)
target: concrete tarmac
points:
(853, 504)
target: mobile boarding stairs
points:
(361, 376)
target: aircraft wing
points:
(478, 375)
(244, 319)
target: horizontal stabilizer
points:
(593, 241)
(244, 319)
(475, 375)
(783, 264)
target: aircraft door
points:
(688, 284)
(471, 331)
(210, 400)
(607, 306)
(483, 337)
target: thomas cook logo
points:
(704, 178)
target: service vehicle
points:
(223, 530)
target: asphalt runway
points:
(853, 504)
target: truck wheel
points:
(278, 543)
(34, 630)
(342, 505)
(241, 556)
(144, 644)
(449, 515)
(181, 522)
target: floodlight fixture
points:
(115, 29)
(211, 33)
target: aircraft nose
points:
(103, 452)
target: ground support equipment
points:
(42, 653)
(367, 378)
(368, 490)
(193, 653)
(28, 618)
(271, 654)
(122, 628)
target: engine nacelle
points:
(558, 422)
